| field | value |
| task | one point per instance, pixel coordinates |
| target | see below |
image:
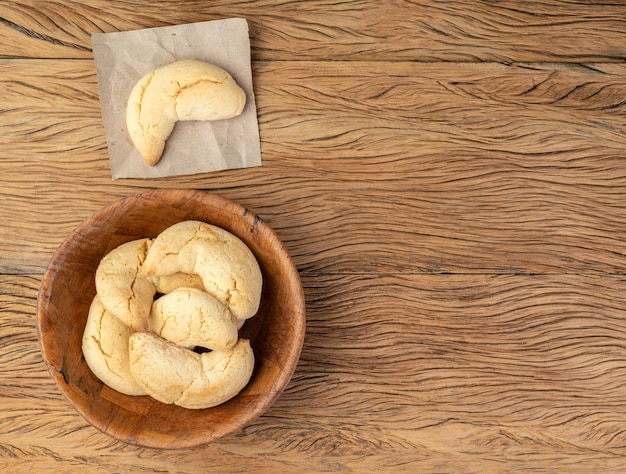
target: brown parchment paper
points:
(122, 58)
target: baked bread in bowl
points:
(276, 332)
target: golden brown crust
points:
(190, 317)
(123, 290)
(140, 346)
(168, 283)
(184, 90)
(173, 374)
(105, 347)
(228, 269)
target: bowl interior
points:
(276, 333)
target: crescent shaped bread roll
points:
(105, 347)
(122, 290)
(173, 374)
(224, 375)
(190, 317)
(184, 90)
(227, 267)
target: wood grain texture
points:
(424, 158)
(466, 30)
(488, 372)
(449, 179)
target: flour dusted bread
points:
(173, 374)
(184, 90)
(228, 269)
(190, 317)
(105, 347)
(122, 290)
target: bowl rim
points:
(285, 375)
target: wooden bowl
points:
(276, 333)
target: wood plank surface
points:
(488, 372)
(449, 178)
(461, 30)
(457, 186)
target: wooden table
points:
(450, 180)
